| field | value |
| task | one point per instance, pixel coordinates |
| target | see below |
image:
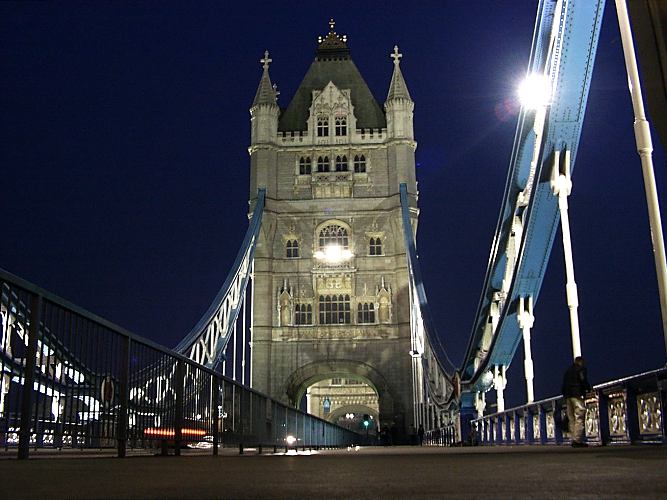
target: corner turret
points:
(399, 105)
(264, 114)
(264, 110)
(401, 143)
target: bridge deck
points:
(375, 472)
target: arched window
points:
(335, 309)
(341, 126)
(322, 127)
(303, 314)
(292, 249)
(375, 246)
(341, 163)
(323, 164)
(366, 313)
(333, 234)
(304, 166)
(359, 164)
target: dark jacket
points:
(575, 382)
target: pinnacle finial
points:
(396, 55)
(266, 60)
(332, 25)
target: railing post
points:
(215, 402)
(29, 376)
(178, 413)
(123, 396)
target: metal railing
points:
(625, 411)
(70, 379)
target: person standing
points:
(575, 386)
(420, 433)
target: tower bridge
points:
(324, 308)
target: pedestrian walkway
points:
(374, 472)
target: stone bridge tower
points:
(331, 298)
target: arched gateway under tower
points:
(331, 282)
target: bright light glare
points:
(535, 91)
(290, 440)
(333, 254)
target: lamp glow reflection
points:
(535, 91)
(333, 254)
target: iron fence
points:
(70, 379)
(625, 411)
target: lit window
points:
(359, 164)
(323, 164)
(333, 235)
(366, 313)
(341, 126)
(292, 248)
(375, 246)
(322, 127)
(341, 163)
(303, 314)
(304, 166)
(335, 309)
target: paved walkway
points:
(392, 472)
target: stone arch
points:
(306, 375)
(338, 412)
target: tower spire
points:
(397, 89)
(266, 93)
(332, 46)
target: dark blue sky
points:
(124, 129)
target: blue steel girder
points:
(564, 45)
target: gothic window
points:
(303, 314)
(336, 381)
(323, 164)
(375, 246)
(366, 313)
(341, 163)
(292, 248)
(322, 127)
(335, 310)
(333, 235)
(341, 126)
(359, 164)
(304, 166)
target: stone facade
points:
(330, 278)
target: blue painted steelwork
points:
(564, 46)
(208, 339)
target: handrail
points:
(622, 411)
(135, 392)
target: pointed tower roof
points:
(332, 64)
(266, 93)
(397, 89)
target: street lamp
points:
(535, 91)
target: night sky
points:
(124, 129)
